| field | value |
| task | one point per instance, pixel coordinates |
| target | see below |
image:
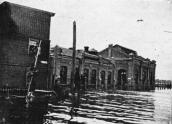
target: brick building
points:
(97, 71)
(133, 72)
(115, 67)
(21, 30)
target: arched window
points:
(93, 76)
(109, 77)
(144, 76)
(86, 75)
(63, 74)
(102, 73)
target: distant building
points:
(133, 72)
(115, 67)
(21, 30)
(96, 72)
(163, 83)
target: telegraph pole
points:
(73, 70)
(73, 57)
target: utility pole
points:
(74, 98)
(73, 57)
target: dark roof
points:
(69, 52)
(26, 7)
(79, 53)
(26, 21)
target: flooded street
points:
(122, 107)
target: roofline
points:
(124, 47)
(49, 13)
(119, 46)
(103, 50)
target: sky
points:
(103, 22)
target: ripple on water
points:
(125, 107)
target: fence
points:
(12, 91)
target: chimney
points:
(110, 50)
(86, 48)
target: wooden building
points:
(21, 30)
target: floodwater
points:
(121, 107)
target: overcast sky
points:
(103, 22)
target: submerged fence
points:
(12, 91)
(163, 84)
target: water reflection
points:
(119, 107)
(124, 107)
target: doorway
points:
(122, 79)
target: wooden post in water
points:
(73, 70)
(73, 57)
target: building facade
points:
(115, 67)
(96, 72)
(22, 29)
(133, 72)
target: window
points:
(102, 73)
(63, 74)
(86, 75)
(93, 77)
(109, 77)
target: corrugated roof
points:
(26, 7)
(25, 21)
